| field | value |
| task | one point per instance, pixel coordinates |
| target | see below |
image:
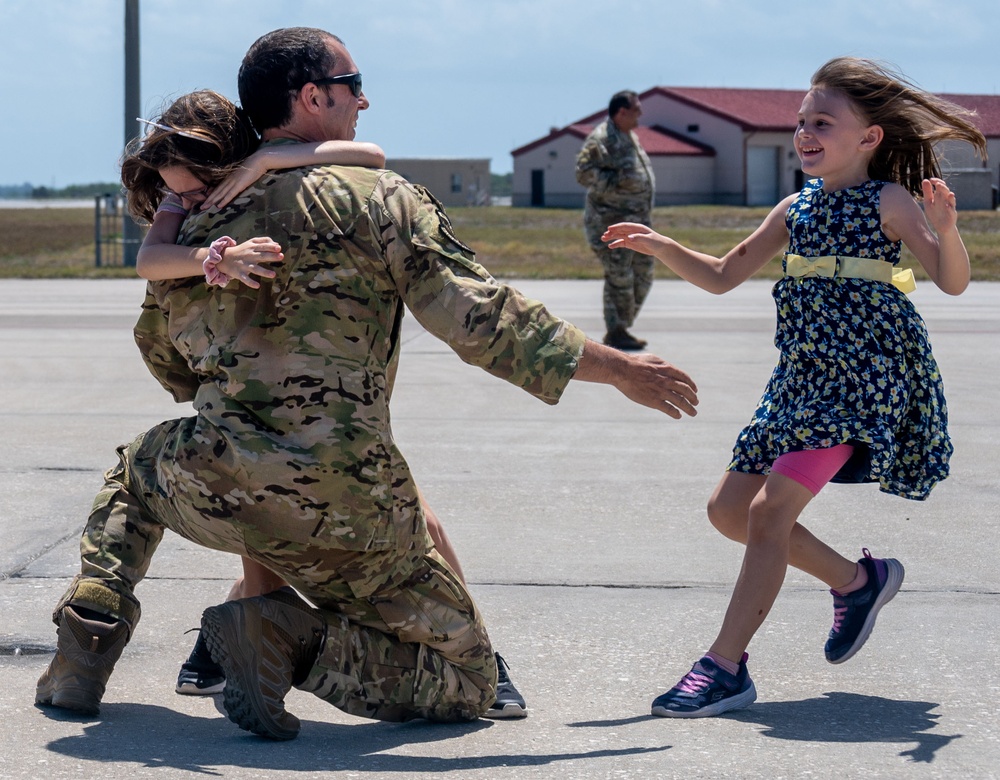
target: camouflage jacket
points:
(615, 169)
(291, 382)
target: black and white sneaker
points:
(509, 704)
(200, 675)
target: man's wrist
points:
(598, 363)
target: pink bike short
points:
(813, 468)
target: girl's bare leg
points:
(729, 511)
(772, 517)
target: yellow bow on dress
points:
(831, 266)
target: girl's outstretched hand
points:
(243, 261)
(939, 205)
(631, 235)
(251, 169)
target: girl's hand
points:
(631, 235)
(930, 234)
(939, 205)
(251, 169)
(243, 261)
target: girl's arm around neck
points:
(714, 274)
(273, 158)
(941, 251)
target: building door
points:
(762, 175)
(538, 187)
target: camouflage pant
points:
(628, 277)
(408, 643)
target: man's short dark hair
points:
(619, 100)
(276, 66)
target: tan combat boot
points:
(265, 645)
(85, 657)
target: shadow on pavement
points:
(152, 736)
(836, 717)
(851, 717)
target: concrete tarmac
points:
(582, 532)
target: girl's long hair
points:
(912, 120)
(203, 132)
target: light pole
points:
(131, 232)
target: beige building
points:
(727, 146)
(454, 182)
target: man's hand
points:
(645, 379)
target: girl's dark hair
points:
(912, 120)
(203, 132)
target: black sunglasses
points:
(353, 80)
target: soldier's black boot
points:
(619, 338)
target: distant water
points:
(47, 203)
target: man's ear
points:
(311, 98)
(872, 138)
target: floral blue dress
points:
(855, 364)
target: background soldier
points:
(620, 185)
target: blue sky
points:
(466, 78)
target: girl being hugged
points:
(856, 396)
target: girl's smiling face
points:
(832, 141)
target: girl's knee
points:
(770, 520)
(728, 519)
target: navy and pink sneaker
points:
(707, 690)
(854, 614)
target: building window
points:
(694, 128)
(456, 182)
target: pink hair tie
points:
(213, 276)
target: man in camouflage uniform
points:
(290, 458)
(614, 168)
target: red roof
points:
(753, 110)
(987, 107)
(657, 141)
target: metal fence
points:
(111, 247)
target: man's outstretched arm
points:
(645, 379)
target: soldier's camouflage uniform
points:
(614, 168)
(290, 459)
